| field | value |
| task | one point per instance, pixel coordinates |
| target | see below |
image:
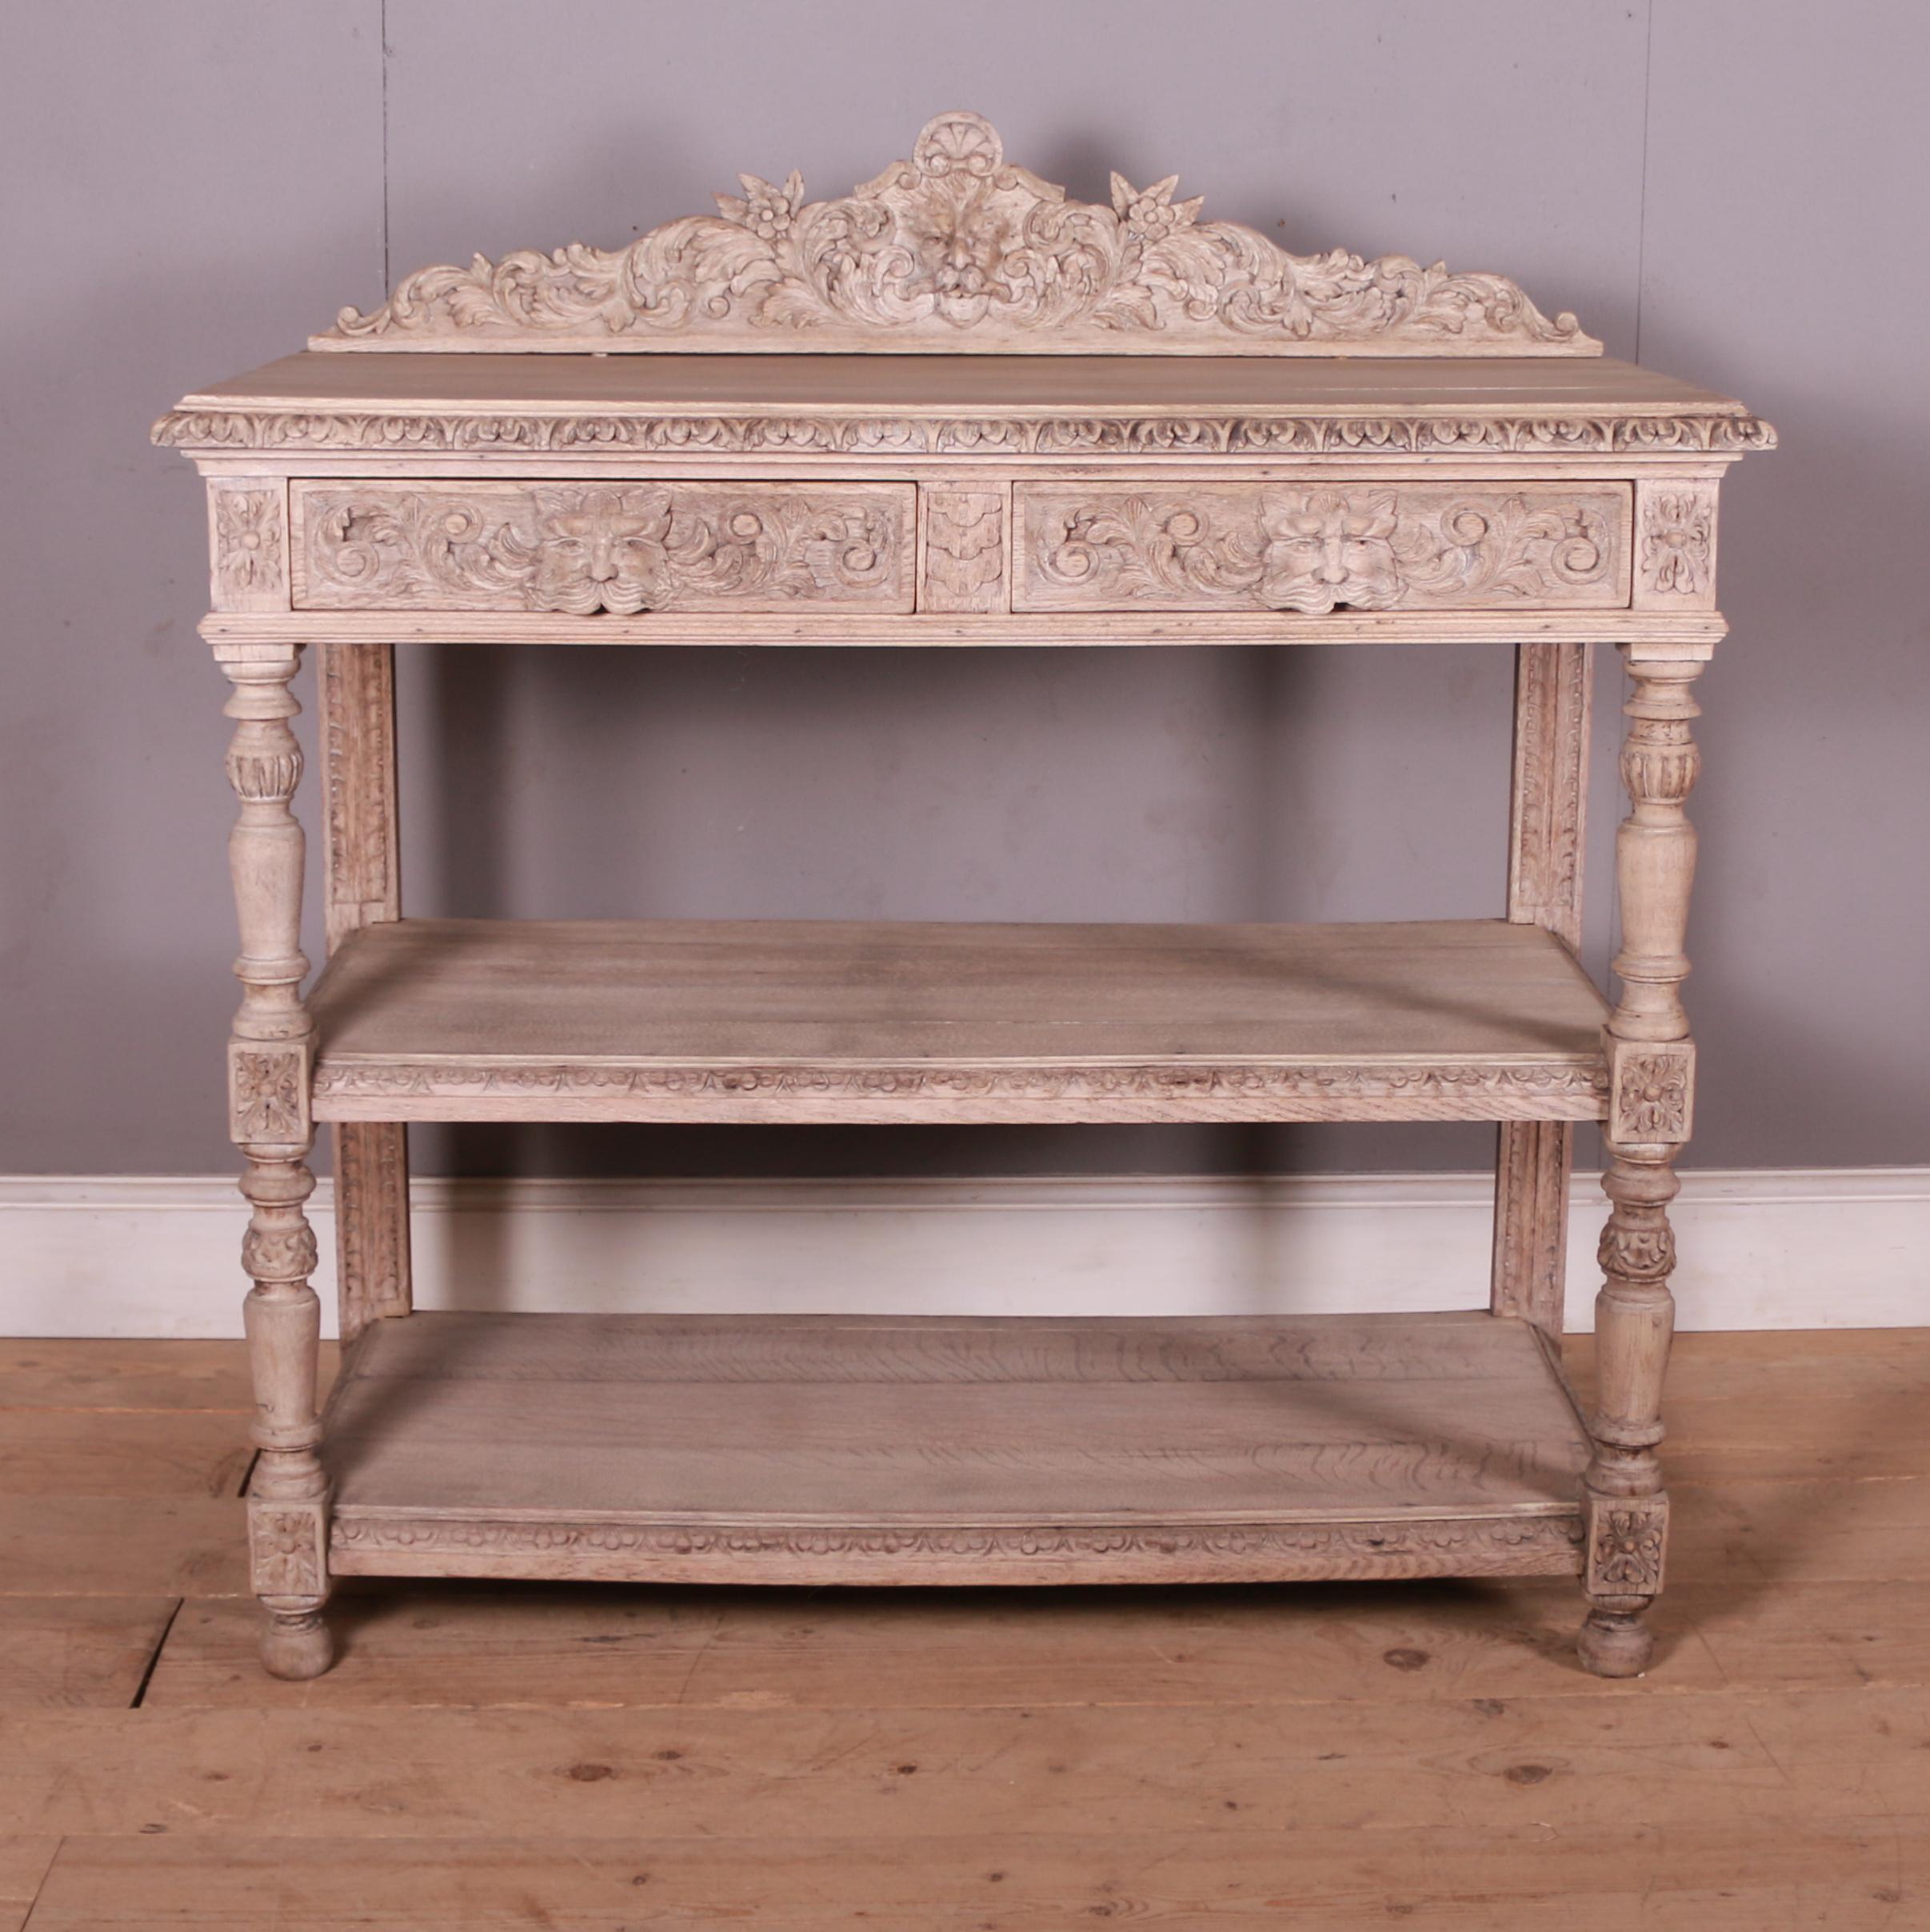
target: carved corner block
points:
(1675, 545)
(269, 1086)
(288, 1548)
(1628, 1539)
(1652, 1091)
(963, 549)
(248, 543)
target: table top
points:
(977, 405)
(1339, 385)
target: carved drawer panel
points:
(582, 548)
(1312, 548)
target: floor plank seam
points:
(40, 1887)
(147, 1676)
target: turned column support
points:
(1651, 1075)
(269, 1054)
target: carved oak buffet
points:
(954, 408)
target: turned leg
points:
(268, 1058)
(1651, 1077)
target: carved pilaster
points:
(964, 549)
(362, 886)
(269, 1082)
(1548, 801)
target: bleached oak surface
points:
(804, 1020)
(825, 1449)
(957, 406)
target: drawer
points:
(588, 547)
(1306, 547)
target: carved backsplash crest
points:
(955, 250)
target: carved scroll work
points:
(957, 250)
(590, 547)
(1408, 547)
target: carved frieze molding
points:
(1232, 433)
(1312, 549)
(582, 549)
(1570, 1092)
(956, 249)
(1467, 1547)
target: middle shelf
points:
(875, 1022)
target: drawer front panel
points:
(582, 548)
(1309, 548)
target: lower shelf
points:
(935, 1449)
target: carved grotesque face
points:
(1323, 548)
(600, 550)
(960, 244)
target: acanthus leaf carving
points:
(957, 248)
(594, 547)
(1413, 545)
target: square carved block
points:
(1652, 1091)
(268, 1092)
(1627, 1540)
(287, 1548)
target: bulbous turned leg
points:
(1615, 1642)
(296, 1644)
(1625, 1509)
(288, 1499)
(270, 1054)
(1651, 1067)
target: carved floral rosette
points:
(957, 248)
(1627, 1541)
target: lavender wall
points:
(1733, 189)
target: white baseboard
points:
(1811, 1248)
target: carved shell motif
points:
(957, 248)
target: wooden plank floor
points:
(1333, 1757)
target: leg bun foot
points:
(1615, 1643)
(296, 1645)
